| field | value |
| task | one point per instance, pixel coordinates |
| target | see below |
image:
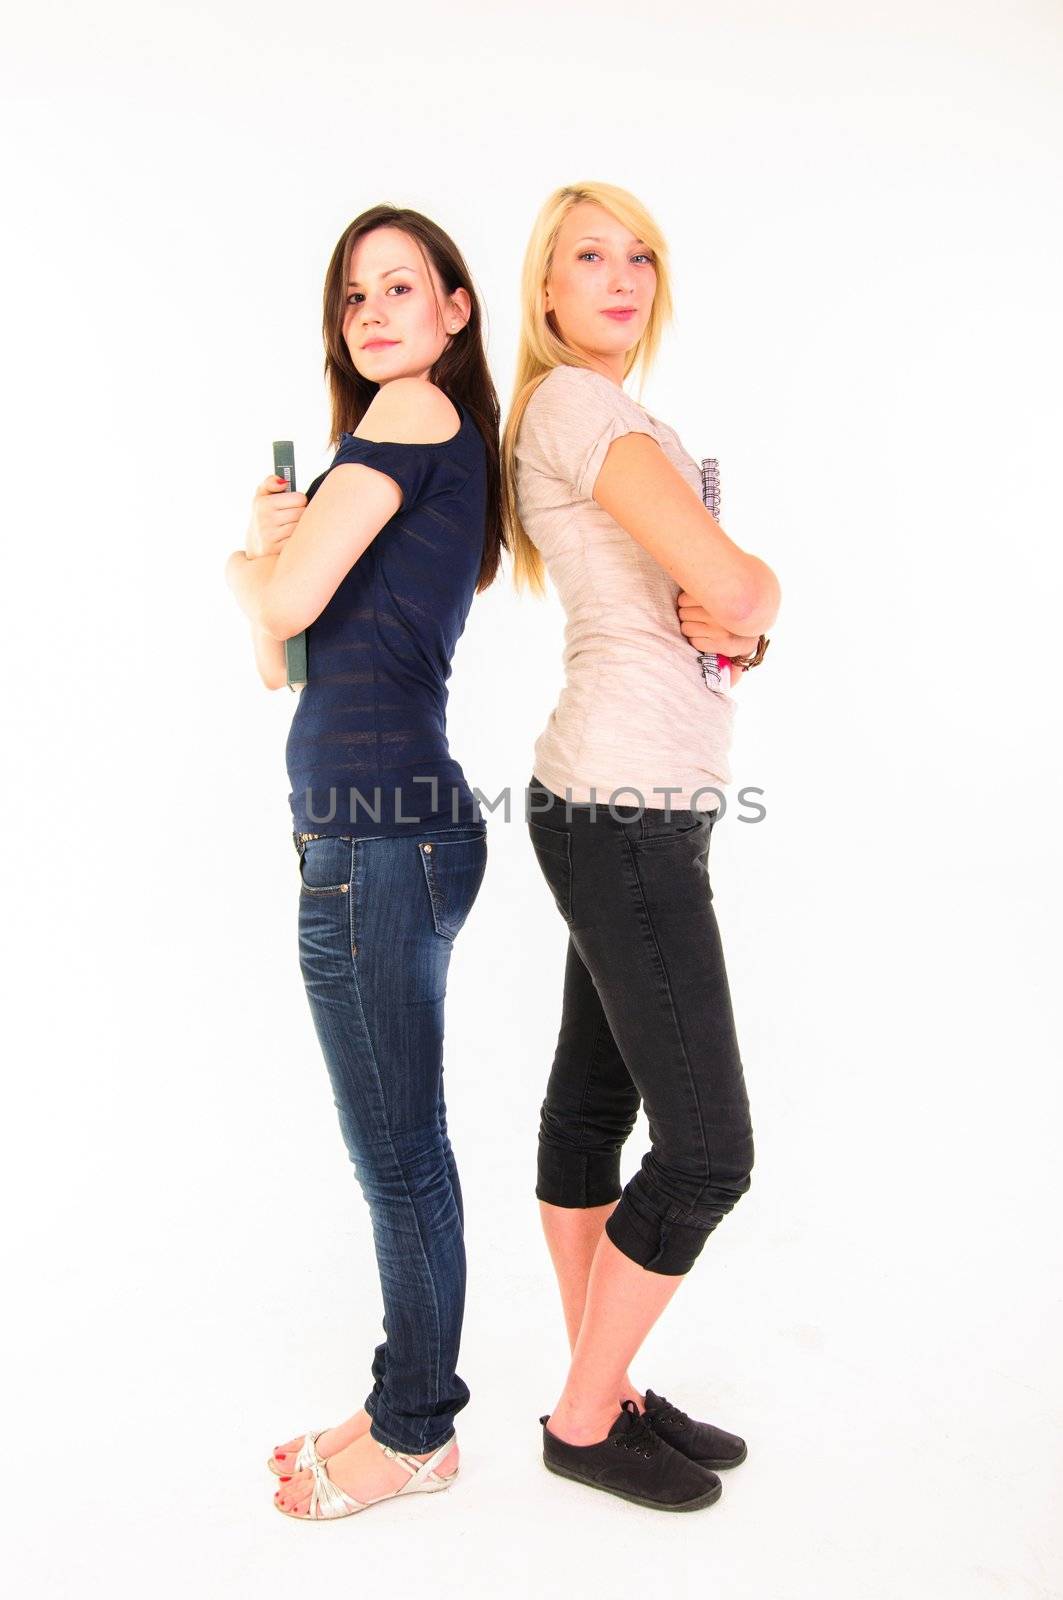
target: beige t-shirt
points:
(636, 711)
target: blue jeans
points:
(377, 921)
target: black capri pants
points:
(646, 1016)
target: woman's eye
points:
(639, 256)
(355, 296)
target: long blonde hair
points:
(540, 347)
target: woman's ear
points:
(461, 310)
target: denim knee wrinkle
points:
(378, 917)
(646, 1017)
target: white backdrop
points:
(863, 208)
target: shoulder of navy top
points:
(411, 464)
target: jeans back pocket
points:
(453, 870)
(553, 851)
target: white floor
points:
(876, 1318)
(888, 1456)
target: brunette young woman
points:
(626, 789)
(379, 562)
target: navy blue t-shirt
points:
(367, 752)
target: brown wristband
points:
(745, 662)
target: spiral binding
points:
(710, 485)
(711, 670)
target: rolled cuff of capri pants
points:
(654, 1243)
(577, 1177)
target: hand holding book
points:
(275, 513)
(708, 636)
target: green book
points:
(295, 647)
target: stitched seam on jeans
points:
(354, 900)
(586, 1092)
(433, 897)
(405, 1185)
(632, 852)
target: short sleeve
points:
(412, 466)
(571, 420)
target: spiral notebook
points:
(715, 668)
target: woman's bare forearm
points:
(249, 581)
(641, 490)
(270, 657)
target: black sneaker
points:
(698, 1441)
(634, 1463)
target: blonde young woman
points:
(627, 786)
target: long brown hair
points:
(461, 371)
(540, 347)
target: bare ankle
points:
(582, 1424)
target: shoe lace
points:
(640, 1436)
(666, 1412)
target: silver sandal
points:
(328, 1500)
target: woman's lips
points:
(379, 344)
(620, 316)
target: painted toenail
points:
(286, 1480)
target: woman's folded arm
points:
(652, 501)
